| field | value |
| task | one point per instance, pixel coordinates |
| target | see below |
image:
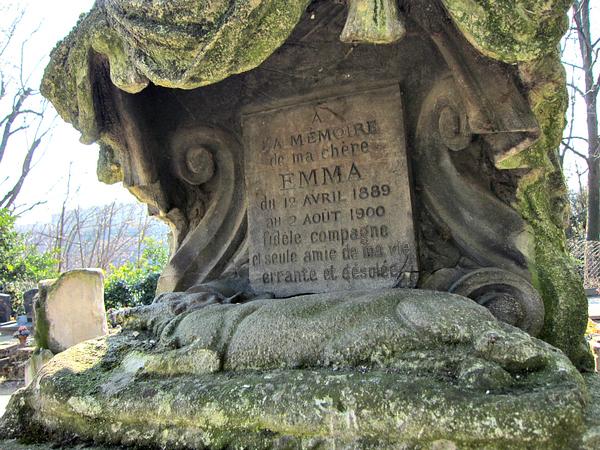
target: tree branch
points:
(576, 89)
(569, 147)
(20, 99)
(23, 127)
(581, 138)
(20, 213)
(11, 196)
(575, 66)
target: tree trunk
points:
(581, 14)
(593, 221)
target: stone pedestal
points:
(288, 159)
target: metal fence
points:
(586, 255)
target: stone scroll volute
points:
(208, 163)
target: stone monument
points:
(365, 207)
(28, 299)
(5, 307)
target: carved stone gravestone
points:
(329, 194)
(5, 307)
(28, 299)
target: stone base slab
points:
(467, 382)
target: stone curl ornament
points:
(507, 296)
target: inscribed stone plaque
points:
(329, 194)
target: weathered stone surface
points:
(510, 298)
(70, 310)
(490, 184)
(14, 444)
(373, 22)
(395, 368)
(186, 44)
(591, 438)
(287, 375)
(511, 31)
(329, 193)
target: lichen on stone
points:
(183, 44)
(511, 30)
(527, 33)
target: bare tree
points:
(60, 229)
(588, 52)
(102, 236)
(24, 114)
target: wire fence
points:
(586, 255)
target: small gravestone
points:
(28, 298)
(70, 310)
(329, 194)
(5, 307)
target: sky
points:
(47, 182)
(571, 55)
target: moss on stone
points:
(109, 169)
(527, 32)
(42, 326)
(186, 46)
(511, 30)
(469, 380)
(320, 407)
(542, 202)
(13, 444)
(591, 438)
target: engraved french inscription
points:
(329, 194)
